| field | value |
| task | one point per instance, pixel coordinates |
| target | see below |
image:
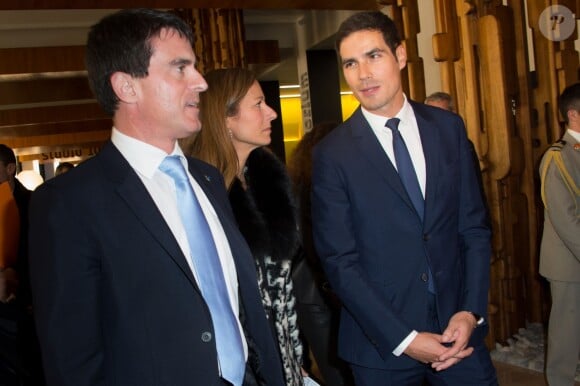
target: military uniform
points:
(560, 256)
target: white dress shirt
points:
(410, 132)
(145, 160)
(574, 134)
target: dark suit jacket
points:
(115, 300)
(374, 247)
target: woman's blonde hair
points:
(213, 143)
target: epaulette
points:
(558, 145)
(554, 154)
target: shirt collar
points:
(375, 120)
(574, 134)
(142, 157)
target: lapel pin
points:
(208, 178)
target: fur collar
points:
(266, 211)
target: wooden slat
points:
(534, 297)
(50, 114)
(247, 4)
(72, 58)
(39, 90)
(51, 128)
(495, 98)
(17, 143)
(42, 59)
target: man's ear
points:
(124, 86)
(401, 55)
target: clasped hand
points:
(445, 350)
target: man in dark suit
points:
(401, 226)
(115, 280)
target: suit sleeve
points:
(474, 231)
(65, 275)
(561, 208)
(336, 245)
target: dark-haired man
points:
(400, 225)
(123, 296)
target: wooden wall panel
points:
(39, 90)
(57, 140)
(249, 4)
(406, 16)
(44, 114)
(511, 116)
(42, 59)
(53, 128)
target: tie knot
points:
(173, 167)
(393, 124)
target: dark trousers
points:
(475, 370)
(318, 320)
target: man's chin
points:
(194, 128)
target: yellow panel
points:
(349, 105)
(292, 119)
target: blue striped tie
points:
(408, 178)
(209, 273)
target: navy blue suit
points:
(115, 300)
(374, 247)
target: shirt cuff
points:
(405, 343)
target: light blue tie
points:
(408, 178)
(209, 273)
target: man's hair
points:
(122, 42)
(569, 100)
(7, 155)
(371, 21)
(440, 96)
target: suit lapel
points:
(372, 151)
(208, 186)
(137, 198)
(430, 143)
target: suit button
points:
(426, 237)
(424, 277)
(206, 337)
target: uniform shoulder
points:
(558, 145)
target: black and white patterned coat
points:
(266, 213)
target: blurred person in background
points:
(318, 307)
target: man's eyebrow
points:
(344, 61)
(181, 61)
(374, 51)
(368, 53)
